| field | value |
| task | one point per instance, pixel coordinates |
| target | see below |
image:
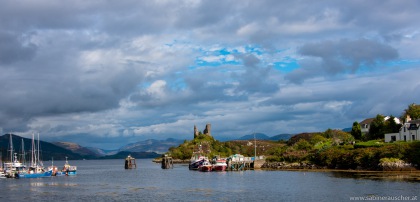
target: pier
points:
(238, 162)
(167, 162)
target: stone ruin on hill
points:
(206, 131)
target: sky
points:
(107, 73)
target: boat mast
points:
(23, 159)
(38, 151)
(33, 158)
(255, 148)
(11, 147)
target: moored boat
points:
(11, 169)
(36, 170)
(2, 175)
(68, 169)
(196, 162)
(205, 167)
(14, 166)
(219, 165)
(198, 157)
(34, 175)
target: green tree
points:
(377, 128)
(356, 131)
(329, 133)
(391, 125)
(413, 111)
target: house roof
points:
(367, 121)
(415, 121)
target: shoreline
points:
(315, 168)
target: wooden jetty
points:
(167, 162)
(130, 162)
(238, 162)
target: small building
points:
(409, 131)
(365, 125)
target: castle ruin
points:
(206, 131)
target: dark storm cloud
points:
(13, 48)
(334, 57)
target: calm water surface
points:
(107, 180)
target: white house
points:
(410, 131)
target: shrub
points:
(303, 145)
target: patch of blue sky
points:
(388, 66)
(254, 49)
(286, 66)
(222, 56)
(224, 51)
(222, 61)
(404, 63)
(178, 84)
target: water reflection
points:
(51, 184)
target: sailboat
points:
(13, 167)
(36, 170)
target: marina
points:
(17, 167)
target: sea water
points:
(107, 180)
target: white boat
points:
(13, 167)
(205, 167)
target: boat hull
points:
(71, 172)
(219, 168)
(205, 168)
(195, 165)
(34, 175)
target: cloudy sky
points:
(107, 73)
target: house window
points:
(405, 129)
(393, 138)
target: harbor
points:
(17, 166)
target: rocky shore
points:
(285, 166)
(384, 166)
(395, 165)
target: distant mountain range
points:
(60, 150)
(151, 145)
(75, 148)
